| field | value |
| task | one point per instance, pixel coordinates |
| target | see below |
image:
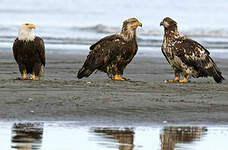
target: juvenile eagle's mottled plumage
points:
(111, 54)
(186, 56)
(29, 51)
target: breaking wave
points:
(145, 31)
(88, 41)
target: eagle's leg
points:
(177, 75)
(118, 77)
(24, 75)
(185, 80)
(40, 73)
(23, 71)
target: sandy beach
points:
(145, 99)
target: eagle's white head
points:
(25, 32)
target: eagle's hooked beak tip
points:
(32, 26)
(161, 24)
(139, 24)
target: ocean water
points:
(71, 26)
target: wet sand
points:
(97, 100)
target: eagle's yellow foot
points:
(118, 77)
(173, 81)
(40, 73)
(33, 77)
(24, 76)
(185, 80)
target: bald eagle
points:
(113, 53)
(186, 56)
(29, 52)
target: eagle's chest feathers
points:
(128, 50)
(167, 48)
(168, 45)
(28, 47)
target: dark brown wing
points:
(195, 55)
(191, 53)
(162, 49)
(107, 38)
(101, 53)
(104, 50)
(39, 45)
(16, 46)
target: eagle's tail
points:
(216, 73)
(218, 76)
(84, 72)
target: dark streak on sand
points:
(97, 100)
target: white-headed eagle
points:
(111, 54)
(29, 52)
(187, 57)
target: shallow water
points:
(67, 135)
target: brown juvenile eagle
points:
(111, 54)
(186, 57)
(29, 52)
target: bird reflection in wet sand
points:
(27, 136)
(125, 137)
(173, 135)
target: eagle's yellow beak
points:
(138, 24)
(161, 24)
(32, 26)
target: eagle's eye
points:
(26, 24)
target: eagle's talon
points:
(185, 80)
(119, 78)
(24, 75)
(125, 79)
(171, 81)
(33, 77)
